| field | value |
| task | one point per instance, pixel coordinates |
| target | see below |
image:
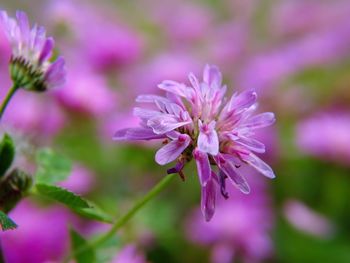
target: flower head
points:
(197, 122)
(30, 64)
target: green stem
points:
(126, 217)
(7, 100)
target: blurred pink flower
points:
(312, 16)
(172, 65)
(86, 92)
(106, 43)
(192, 21)
(34, 115)
(110, 46)
(42, 235)
(307, 220)
(326, 135)
(267, 70)
(80, 181)
(240, 228)
(129, 254)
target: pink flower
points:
(240, 231)
(326, 135)
(129, 254)
(195, 122)
(31, 67)
(42, 235)
(86, 92)
(80, 181)
(307, 220)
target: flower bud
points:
(13, 187)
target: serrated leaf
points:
(52, 167)
(62, 195)
(77, 242)
(7, 153)
(6, 222)
(94, 213)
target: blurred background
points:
(295, 53)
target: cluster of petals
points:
(197, 121)
(32, 49)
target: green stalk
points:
(9, 95)
(126, 217)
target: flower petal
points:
(208, 200)
(243, 101)
(259, 165)
(172, 150)
(203, 166)
(212, 76)
(150, 98)
(55, 74)
(46, 50)
(208, 140)
(23, 24)
(251, 144)
(165, 122)
(260, 121)
(136, 134)
(231, 171)
(145, 114)
(173, 87)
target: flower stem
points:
(126, 217)
(7, 99)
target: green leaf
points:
(62, 195)
(7, 153)
(6, 222)
(52, 167)
(77, 242)
(94, 213)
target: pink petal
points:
(251, 144)
(150, 98)
(203, 166)
(243, 101)
(145, 114)
(212, 76)
(231, 171)
(260, 121)
(172, 150)
(23, 24)
(259, 165)
(135, 134)
(165, 122)
(208, 140)
(46, 50)
(173, 87)
(208, 200)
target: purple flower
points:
(240, 231)
(42, 235)
(31, 67)
(305, 219)
(326, 135)
(129, 254)
(196, 121)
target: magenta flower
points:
(31, 67)
(196, 121)
(241, 230)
